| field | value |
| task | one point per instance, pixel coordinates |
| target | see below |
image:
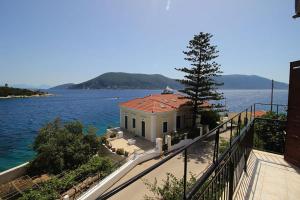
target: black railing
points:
(227, 150)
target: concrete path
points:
(199, 158)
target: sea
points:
(21, 118)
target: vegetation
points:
(269, 134)
(9, 91)
(128, 81)
(62, 147)
(170, 189)
(199, 79)
(210, 118)
(120, 151)
(223, 145)
(51, 189)
(119, 80)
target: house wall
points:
(159, 119)
(139, 117)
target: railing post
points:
(185, 174)
(246, 121)
(231, 129)
(239, 125)
(216, 149)
(254, 110)
(231, 175)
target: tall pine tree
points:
(199, 79)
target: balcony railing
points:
(229, 147)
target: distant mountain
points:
(120, 80)
(237, 81)
(63, 86)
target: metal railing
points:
(230, 142)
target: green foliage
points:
(103, 139)
(9, 91)
(120, 151)
(269, 134)
(51, 189)
(210, 118)
(126, 153)
(113, 135)
(223, 145)
(171, 188)
(63, 146)
(200, 79)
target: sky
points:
(52, 42)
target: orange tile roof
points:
(157, 103)
(259, 113)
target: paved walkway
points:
(269, 177)
(199, 158)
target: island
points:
(121, 80)
(10, 92)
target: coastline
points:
(23, 96)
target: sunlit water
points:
(20, 119)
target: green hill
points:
(119, 80)
(9, 91)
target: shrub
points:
(113, 149)
(62, 147)
(51, 189)
(120, 151)
(210, 118)
(113, 135)
(103, 140)
(170, 189)
(126, 153)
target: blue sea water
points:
(20, 119)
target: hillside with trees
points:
(120, 80)
(10, 91)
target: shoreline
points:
(23, 96)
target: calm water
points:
(20, 119)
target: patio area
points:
(269, 176)
(131, 143)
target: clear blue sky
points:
(59, 41)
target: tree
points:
(269, 134)
(199, 79)
(63, 146)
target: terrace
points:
(234, 165)
(123, 139)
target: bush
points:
(170, 189)
(113, 135)
(269, 135)
(126, 153)
(210, 118)
(62, 147)
(113, 149)
(120, 151)
(51, 189)
(103, 140)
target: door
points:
(178, 124)
(292, 146)
(126, 122)
(143, 128)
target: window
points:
(178, 120)
(133, 122)
(165, 127)
(126, 122)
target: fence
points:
(223, 150)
